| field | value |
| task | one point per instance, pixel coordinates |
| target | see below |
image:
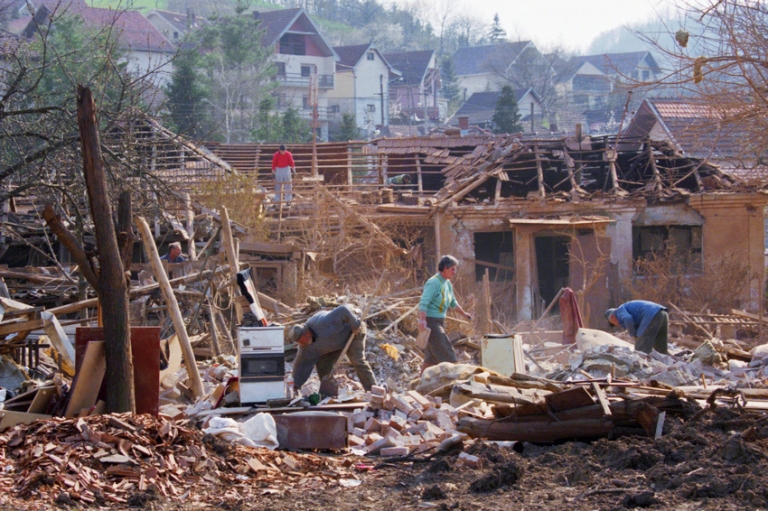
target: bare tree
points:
(719, 58)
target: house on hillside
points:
(480, 107)
(637, 66)
(414, 93)
(305, 61)
(697, 129)
(483, 68)
(591, 87)
(362, 87)
(175, 26)
(147, 51)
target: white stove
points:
(261, 354)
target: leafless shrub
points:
(721, 286)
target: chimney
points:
(190, 18)
(463, 123)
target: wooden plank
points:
(59, 338)
(544, 432)
(172, 304)
(13, 305)
(41, 400)
(21, 326)
(569, 399)
(9, 419)
(601, 397)
(87, 382)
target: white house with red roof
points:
(302, 56)
(147, 51)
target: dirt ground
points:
(716, 460)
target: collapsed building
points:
(542, 214)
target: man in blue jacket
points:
(321, 340)
(647, 322)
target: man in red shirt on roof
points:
(282, 167)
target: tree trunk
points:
(112, 287)
(125, 235)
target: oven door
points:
(262, 367)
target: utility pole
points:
(381, 93)
(313, 102)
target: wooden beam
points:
(173, 306)
(229, 246)
(72, 244)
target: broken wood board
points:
(9, 419)
(59, 338)
(87, 382)
(569, 399)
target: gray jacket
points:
(330, 333)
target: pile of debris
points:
(125, 458)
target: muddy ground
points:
(716, 460)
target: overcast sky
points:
(569, 23)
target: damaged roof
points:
(508, 168)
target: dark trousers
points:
(655, 336)
(356, 354)
(439, 347)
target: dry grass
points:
(242, 197)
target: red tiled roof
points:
(18, 25)
(697, 128)
(9, 43)
(135, 32)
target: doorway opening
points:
(552, 261)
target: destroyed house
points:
(540, 215)
(537, 214)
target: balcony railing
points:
(299, 80)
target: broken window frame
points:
(689, 260)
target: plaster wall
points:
(477, 83)
(734, 224)
(158, 64)
(363, 86)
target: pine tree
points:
(348, 129)
(270, 126)
(186, 97)
(295, 130)
(450, 85)
(506, 117)
(497, 34)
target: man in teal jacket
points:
(436, 300)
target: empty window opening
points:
(496, 248)
(677, 247)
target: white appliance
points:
(262, 363)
